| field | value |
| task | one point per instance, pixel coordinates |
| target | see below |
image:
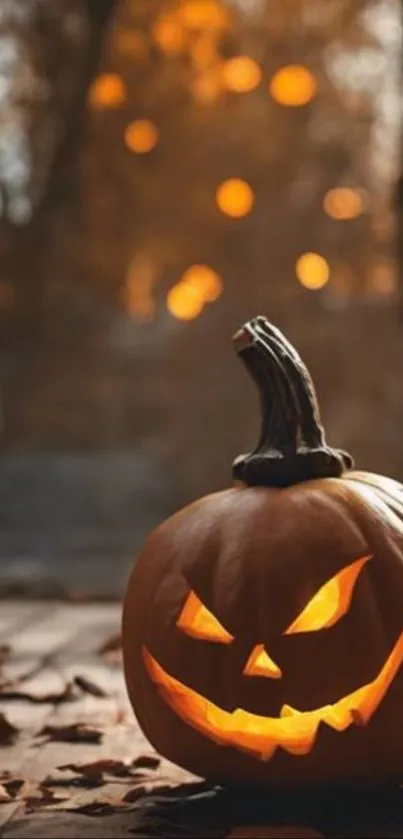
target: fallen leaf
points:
(135, 794)
(8, 732)
(99, 808)
(4, 795)
(95, 769)
(273, 832)
(146, 762)
(89, 687)
(14, 786)
(77, 781)
(44, 798)
(76, 733)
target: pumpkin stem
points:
(292, 445)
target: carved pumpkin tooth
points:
(289, 711)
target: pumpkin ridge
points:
(292, 447)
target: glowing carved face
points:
(294, 731)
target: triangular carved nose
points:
(259, 663)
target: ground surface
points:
(62, 690)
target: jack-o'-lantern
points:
(263, 625)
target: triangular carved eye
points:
(198, 622)
(259, 663)
(331, 602)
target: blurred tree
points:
(232, 160)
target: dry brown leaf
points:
(5, 797)
(44, 798)
(96, 768)
(280, 831)
(100, 808)
(8, 732)
(14, 786)
(76, 733)
(146, 762)
(135, 793)
(76, 781)
(89, 687)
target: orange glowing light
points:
(293, 85)
(107, 91)
(343, 203)
(203, 14)
(132, 43)
(137, 292)
(141, 136)
(383, 278)
(331, 602)
(235, 198)
(184, 302)
(260, 664)
(241, 74)
(312, 270)
(205, 280)
(168, 34)
(198, 622)
(207, 87)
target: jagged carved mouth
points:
(294, 731)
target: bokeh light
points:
(203, 14)
(107, 91)
(241, 74)
(383, 278)
(343, 203)
(141, 136)
(198, 285)
(293, 85)
(312, 270)
(235, 197)
(205, 280)
(168, 34)
(184, 302)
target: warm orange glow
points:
(312, 270)
(132, 43)
(141, 136)
(294, 731)
(383, 278)
(7, 295)
(260, 664)
(235, 198)
(293, 85)
(203, 14)
(107, 91)
(331, 602)
(184, 302)
(137, 292)
(207, 87)
(343, 203)
(198, 622)
(205, 280)
(241, 74)
(168, 34)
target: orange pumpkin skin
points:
(255, 556)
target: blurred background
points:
(168, 169)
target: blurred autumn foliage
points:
(232, 157)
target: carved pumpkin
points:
(263, 625)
